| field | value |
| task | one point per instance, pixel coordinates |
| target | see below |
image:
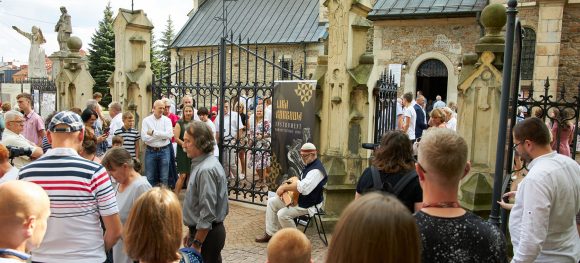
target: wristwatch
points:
(197, 243)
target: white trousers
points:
(279, 216)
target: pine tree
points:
(102, 54)
(165, 54)
(155, 56)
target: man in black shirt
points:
(448, 232)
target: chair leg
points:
(324, 240)
(307, 224)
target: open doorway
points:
(432, 79)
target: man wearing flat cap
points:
(80, 192)
(309, 186)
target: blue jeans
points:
(157, 166)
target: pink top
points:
(566, 136)
(33, 123)
(174, 118)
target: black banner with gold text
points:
(293, 113)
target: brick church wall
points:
(569, 67)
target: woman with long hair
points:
(89, 118)
(130, 186)
(562, 131)
(259, 134)
(393, 161)
(375, 229)
(154, 229)
(183, 162)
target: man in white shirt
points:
(542, 222)
(309, 186)
(438, 103)
(156, 133)
(231, 133)
(13, 137)
(115, 111)
(409, 116)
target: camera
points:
(18, 151)
(370, 146)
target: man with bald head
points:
(156, 133)
(25, 209)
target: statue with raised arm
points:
(36, 56)
(64, 29)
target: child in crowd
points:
(117, 141)
(129, 134)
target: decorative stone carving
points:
(64, 29)
(36, 55)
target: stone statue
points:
(36, 56)
(64, 29)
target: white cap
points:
(308, 147)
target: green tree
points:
(156, 65)
(164, 47)
(102, 54)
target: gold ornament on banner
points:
(304, 91)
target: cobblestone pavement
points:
(244, 222)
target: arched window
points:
(432, 68)
(528, 53)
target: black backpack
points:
(378, 185)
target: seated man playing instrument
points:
(281, 214)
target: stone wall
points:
(404, 40)
(569, 70)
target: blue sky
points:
(85, 15)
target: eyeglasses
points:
(517, 144)
(304, 155)
(19, 122)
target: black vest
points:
(315, 197)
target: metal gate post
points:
(222, 69)
(505, 88)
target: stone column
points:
(130, 83)
(74, 83)
(344, 97)
(548, 40)
(479, 103)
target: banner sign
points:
(294, 120)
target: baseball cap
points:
(73, 120)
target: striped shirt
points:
(80, 192)
(130, 138)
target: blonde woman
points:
(158, 210)
(438, 118)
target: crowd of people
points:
(77, 193)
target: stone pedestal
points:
(344, 97)
(132, 77)
(73, 81)
(479, 105)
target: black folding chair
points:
(304, 220)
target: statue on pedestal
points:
(64, 29)
(36, 56)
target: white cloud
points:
(85, 16)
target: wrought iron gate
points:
(231, 75)
(385, 105)
(43, 93)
